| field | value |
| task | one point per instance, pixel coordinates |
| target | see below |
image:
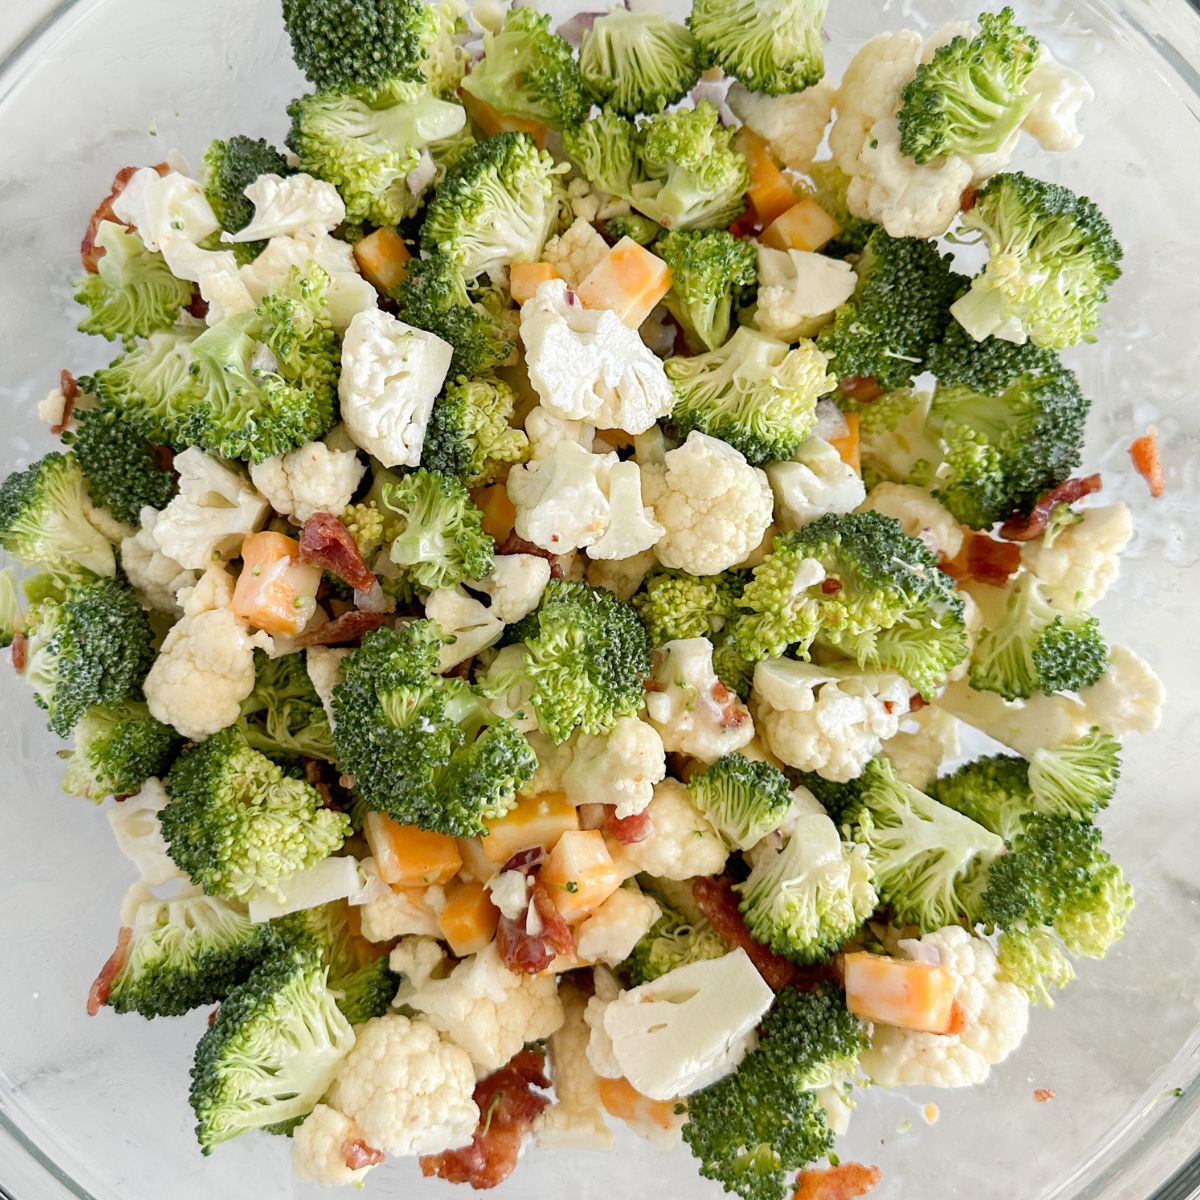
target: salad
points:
(520, 587)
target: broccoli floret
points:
(1033, 959)
(1036, 648)
(92, 648)
(186, 951)
(446, 58)
(283, 716)
(672, 941)
(230, 167)
(367, 992)
(11, 609)
(117, 748)
(529, 72)
(772, 46)
(898, 311)
(733, 668)
(469, 436)
(497, 206)
(1092, 918)
(895, 442)
(423, 748)
(43, 522)
(368, 526)
(605, 149)
(891, 608)
(272, 1051)
(1076, 779)
(971, 97)
(754, 392)
(831, 186)
(441, 540)
(633, 226)
(367, 147)
(638, 62)
(674, 604)
(994, 791)
(238, 825)
(133, 292)
(122, 471)
(743, 798)
(711, 274)
(1051, 258)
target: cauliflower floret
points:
(920, 516)
(589, 204)
(417, 960)
(996, 1015)
(489, 1010)
(693, 711)
(609, 934)
(798, 291)
(387, 913)
(1083, 560)
(815, 482)
(587, 364)
(714, 505)
(391, 375)
(1061, 93)
(605, 989)
(515, 585)
(1127, 698)
(620, 767)
(407, 1088)
(622, 576)
(825, 719)
(553, 759)
(317, 1148)
(205, 668)
(574, 252)
(927, 738)
(1027, 727)
(682, 843)
(165, 209)
(324, 667)
(221, 285)
(510, 893)
(139, 835)
(468, 625)
(631, 527)
(155, 577)
(792, 126)
(309, 480)
(561, 500)
(213, 511)
(284, 206)
(53, 408)
(546, 429)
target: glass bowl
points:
(97, 1108)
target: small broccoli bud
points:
(638, 62)
(712, 273)
(1034, 960)
(283, 716)
(633, 226)
(469, 436)
(994, 791)
(117, 748)
(674, 605)
(744, 799)
(1076, 779)
(230, 167)
(672, 941)
(605, 149)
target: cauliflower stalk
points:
(309, 480)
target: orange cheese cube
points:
(894, 991)
(491, 121)
(629, 280)
(524, 279)
(406, 856)
(536, 821)
(770, 194)
(275, 591)
(580, 873)
(848, 445)
(805, 226)
(469, 920)
(475, 863)
(498, 512)
(623, 1101)
(382, 258)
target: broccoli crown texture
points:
(367, 992)
(469, 436)
(605, 149)
(631, 225)
(672, 941)
(117, 748)
(1034, 960)
(711, 274)
(283, 716)
(744, 799)
(638, 62)
(674, 604)
(231, 165)
(994, 791)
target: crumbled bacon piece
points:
(958, 1019)
(314, 774)
(1146, 461)
(70, 391)
(89, 252)
(327, 543)
(348, 627)
(916, 702)
(518, 545)
(716, 901)
(197, 306)
(843, 1182)
(356, 1154)
(732, 713)
(98, 993)
(746, 226)
(19, 653)
(967, 200)
(164, 456)
(529, 953)
(863, 388)
(831, 587)
(212, 1016)
(990, 561)
(1044, 1095)
(1025, 529)
(628, 830)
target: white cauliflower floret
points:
(996, 1016)
(417, 960)
(407, 1088)
(793, 126)
(693, 711)
(714, 506)
(682, 843)
(53, 408)
(139, 835)
(927, 738)
(620, 767)
(157, 578)
(553, 760)
(798, 291)
(561, 500)
(317, 1148)
(324, 667)
(387, 913)
(815, 482)
(515, 585)
(623, 576)
(609, 934)
(309, 480)
(213, 511)
(391, 375)
(606, 988)
(166, 210)
(575, 251)
(826, 719)
(510, 893)
(545, 429)
(221, 285)
(587, 364)
(284, 206)
(920, 516)
(1061, 93)
(1083, 559)
(1127, 698)
(631, 527)
(467, 625)
(489, 1010)
(588, 203)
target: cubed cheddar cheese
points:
(406, 856)
(629, 280)
(469, 920)
(491, 121)
(804, 226)
(275, 592)
(382, 258)
(499, 515)
(847, 445)
(580, 873)
(623, 1101)
(536, 821)
(524, 279)
(770, 194)
(895, 991)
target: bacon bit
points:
(314, 774)
(1146, 461)
(1044, 1095)
(19, 655)
(349, 627)
(715, 898)
(356, 1154)
(70, 391)
(327, 543)
(990, 561)
(98, 993)
(916, 702)
(212, 1016)
(1025, 529)
(831, 587)
(629, 830)
(508, 1106)
(843, 1182)
(746, 226)
(524, 859)
(862, 388)
(526, 953)
(164, 456)
(733, 712)
(197, 306)
(967, 200)
(958, 1019)
(889, 707)
(518, 545)
(460, 670)
(89, 252)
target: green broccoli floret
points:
(441, 540)
(711, 273)
(605, 149)
(1092, 918)
(469, 436)
(733, 668)
(898, 311)
(283, 716)
(367, 992)
(772, 46)
(43, 521)
(1076, 779)
(631, 225)
(12, 614)
(971, 97)
(638, 62)
(1034, 960)
(1051, 258)
(674, 604)
(231, 165)
(754, 392)
(497, 206)
(273, 1050)
(92, 648)
(891, 608)
(133, 292)
(529, 72)
(117, 748)
(445, 59)
(183, 952)
(122, 471)
(743, 798)
(895, 442)
(672, 941)
(993, 790)
(368, 526)
(237, 825)
(1036, 648)
(424, 748)
(831, 186)
(367, 146)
